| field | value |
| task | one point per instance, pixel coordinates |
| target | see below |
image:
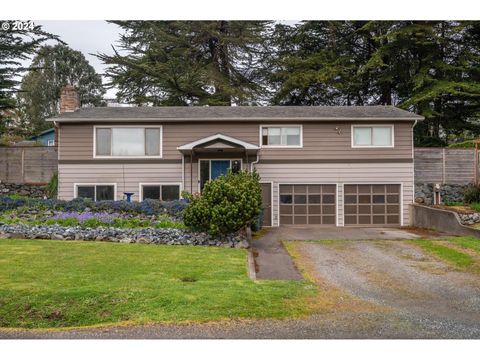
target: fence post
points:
(443, 166)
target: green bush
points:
(472, 194)
(52, 186)
(226, 205)
(468, 144)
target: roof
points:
(44, 132)
(243, 113)
(243, 144)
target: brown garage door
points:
(307, 204)
(372, 204)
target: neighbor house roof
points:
(243, 113)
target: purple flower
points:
(85, 215)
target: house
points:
(46, 138)
(323, 165)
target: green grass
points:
(467, 242)
(51, 284)
(452, 256)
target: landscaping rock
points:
(33, 191)
(448, 193)
(168, 236)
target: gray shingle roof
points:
(247, 113)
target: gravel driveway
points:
(400, 276)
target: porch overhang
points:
(219, 143)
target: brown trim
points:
(235, 119)
(122, 161)
(335, 161)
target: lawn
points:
(52, 284)
(450, 250)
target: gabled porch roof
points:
(218, 142)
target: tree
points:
(189, 62)
(16, 45)
(430, 67)
(53, 68)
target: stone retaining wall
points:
(448, 193)
(30, 190)
(166, 236)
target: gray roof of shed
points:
(248, 113)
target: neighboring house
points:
(321, 165)
(46, 138)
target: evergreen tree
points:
(15, 47)
(53, 68)
(189, 62)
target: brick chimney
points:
(69, 100)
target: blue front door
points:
(219, 167)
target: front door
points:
(219, 167)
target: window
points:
(128, 141)
(281, 136)
(372, 136)
(211, 169)
(96, 192)
(51, 143)
(163, 192)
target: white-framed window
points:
(95, 192)
(160, 191)
(372, 136)
(210, 169)
(127, 141)
(281, 135)
(51, 142)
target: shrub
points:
(472, 194)
(226, 205)
(52, 186)
(468, 144)
(147, 207)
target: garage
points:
(372, 204)
(307, 204)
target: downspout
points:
(254, 162)
(183, 172)
(191, 171)
(413, 177)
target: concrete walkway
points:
(273, 262)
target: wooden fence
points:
(444, 166)
(27, 164)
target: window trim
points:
(142, 184)
(76, 185)
(51, 142)
(95, 156)
(210, 168)
(352, 131)
(281, 146)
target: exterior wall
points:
(320, 140)
(326, 157)
(340, 174)
(127, 177)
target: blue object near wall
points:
(46, 138)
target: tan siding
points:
(340, 174)
(127, 177)
(320, 141)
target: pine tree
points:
(15, 47)
(189, 62)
